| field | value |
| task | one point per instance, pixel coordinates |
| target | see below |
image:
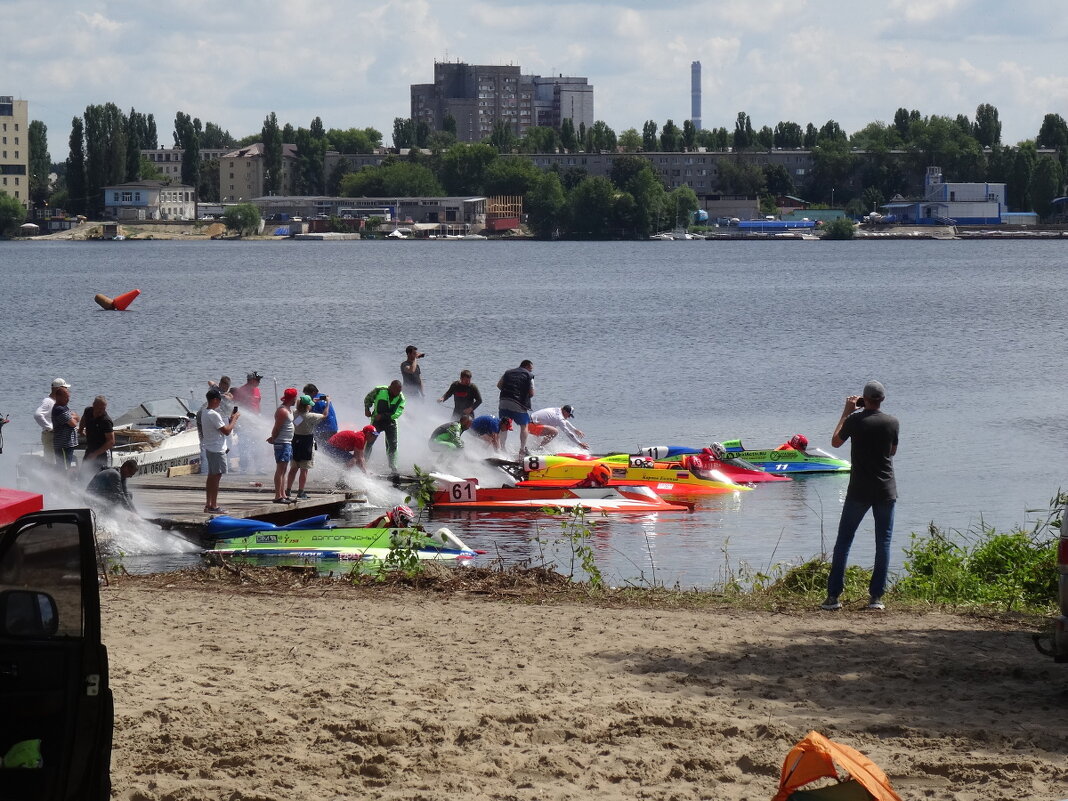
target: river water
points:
(652, 342)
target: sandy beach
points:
(323, 691)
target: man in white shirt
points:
(43, 415)
(558, 419)
(215, 430)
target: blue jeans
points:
(853, 512)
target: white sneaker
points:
(831, 604)
(876, 604)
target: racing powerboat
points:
(465, 493)
(735, 469)
(793, 462)
(315, 538)
(636, 471)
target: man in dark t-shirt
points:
(99, 433)
(465, 396)
(873, 435)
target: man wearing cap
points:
(557, 419)
(43, 415)
(215, 429)
(411, 373)
(873, 436)
(384, 405)
(347, 447)
(488, 428)
(282, 440)
(247, 397)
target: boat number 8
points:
(533, 463)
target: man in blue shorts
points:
(488, 429)
(282, 440)
(517, 388)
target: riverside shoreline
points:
(296, 689)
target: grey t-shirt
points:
(873, 437)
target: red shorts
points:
(537, 429)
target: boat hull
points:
(665, 482)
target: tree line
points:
(860, 171)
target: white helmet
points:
(718, 450)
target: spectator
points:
(109, 484)
(215, 430)
(99, 432)
(64, 431)
(465, 396)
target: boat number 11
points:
(462, 491)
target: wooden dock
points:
(177, 501)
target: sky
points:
(351, 62)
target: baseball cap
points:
(874, 390)
(59, 382)
(306, 400)
(213, 393)
(569, 409)
(254, 376)
(290, 393)
(370, 431)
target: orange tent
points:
(815, 757)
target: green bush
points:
(841, 228)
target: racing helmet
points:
(401, 516)
(718, 450)
(798, 442)
(601, 473)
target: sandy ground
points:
(329, 692)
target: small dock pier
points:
(177, 501)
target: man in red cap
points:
(282, 439)
(347, 447)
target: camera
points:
(234, 409)
(860, 403)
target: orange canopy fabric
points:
(815, 757)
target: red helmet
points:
(401, 516)
(601, 473)
(798, 442)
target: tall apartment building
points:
(168, 160)
(15, 148)
(477, 96)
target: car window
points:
(45, 558)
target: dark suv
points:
(56, 711)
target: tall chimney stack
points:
(695, 94)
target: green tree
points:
(1018, 186)
(777, 179)
(1053, 133)
(740, 177)
(215, 138)
(630, 140)
(208, 190)
(987, 125)
(689, 135)
(831, 132)
(77, 202)
(670, 137)
(403, 132)
(392, 179)
(833, 165)
(503, 138)
(568, 137)
(187, 139)
(600, 138)
(649, 138)
(448, 124)
(635, 177)
(788, 135)
(540, 139)
(337, 175)
(354, 140)
(40, 161)
(463, 166)
(682, 202)
(311, 153)
(150, 172)
(765, 137)
(12, 214)
(271, 137)
(841, 228)
(510, 176)
(591, 208)
(105, 153)
(1046, 184)
(546, 205)
(812, 136)
(744, 137)
(244, 219)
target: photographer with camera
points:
(873, 435)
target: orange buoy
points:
(126, 298)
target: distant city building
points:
(241, 172)
(15, 148)
(951, 203)
(695, 94)
(478, 96)
(168, 160)
(150, 200)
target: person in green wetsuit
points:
(384, 405)
(446, 437)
